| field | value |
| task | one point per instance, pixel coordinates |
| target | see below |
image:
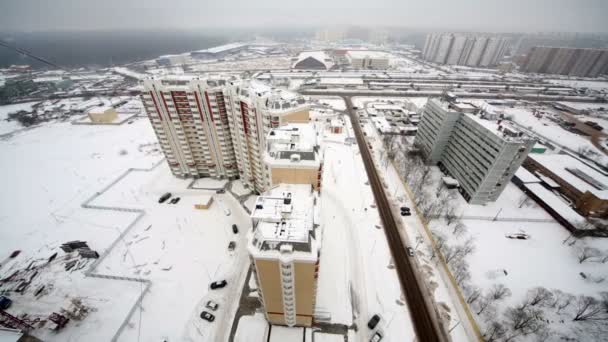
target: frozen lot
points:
(181, 250)
(54, 168)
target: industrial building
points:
(313, 60)
(216, 127)
(219, 51)
(366, 59)
(464, 49)
(582, 184)
(566, 61)
(292, 156)
(102, 114)
(481, 154)
(284, 247)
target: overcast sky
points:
(463, 15)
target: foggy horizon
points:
(466, 16)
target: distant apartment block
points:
(365, 59)
(216, 127)
(285, 252)
(292, 156)
(464, 49)
(566, 61)
(481, 154)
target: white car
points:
(211, 305)
(376, 338)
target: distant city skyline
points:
(465, 15)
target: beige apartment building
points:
(292, 156)
(216, 127)
(285, 249)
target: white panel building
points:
(481, 154)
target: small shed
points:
(204, 203)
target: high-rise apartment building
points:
(481, 154)
(216, 127)
(464, 49)
(292, 156)
(285, 249)
(566, 61)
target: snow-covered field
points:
(551, 130)
(57, 166)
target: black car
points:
(220, 191)
(218, 284)
(373, 322)
(207, 316)
(235, 229)
(164, 197)
(406, 213)
(175, 200)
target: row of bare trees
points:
(530, 316)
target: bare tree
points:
(538, 296)
(564, 300)
(494, 332)
(589, 309)
(483, 303)
(474, 294)
(499, 292)
(524, 321)
(459, 229)
(460, 271)
(585, 253)
(450, 215)
(604, 301)
(390, 144)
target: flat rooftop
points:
(368, 54)
(574, 172)
(284, 215)
(295, 143)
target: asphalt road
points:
(424, 316)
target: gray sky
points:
(464, 15)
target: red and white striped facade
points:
(214, 127)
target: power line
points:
(29, 54)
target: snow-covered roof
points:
(293, 144)
(222, 48)
(10, 335)
(320, 56)
(100, 110)
(526, 176)
(557, 204)
(574, 172)
(368, 54)
(283, 216)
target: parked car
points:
(410, 251)
(231, 245)
(373, 322)
(220, 191)
(207, 316)
(227, 212)
(218, 284)
(211, 305)
(377, 337)
(5, 302)
(164, 197)
(174, 200)
(235, 229)
(406, 213)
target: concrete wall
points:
(294, 176)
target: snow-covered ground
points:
(181, 250)
(178, 248)
(551, 130)
(596, 85)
